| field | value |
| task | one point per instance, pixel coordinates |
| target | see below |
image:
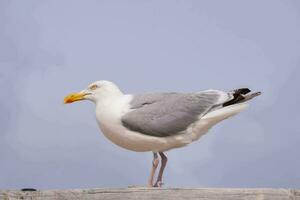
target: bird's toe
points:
(159, 184)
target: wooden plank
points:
(154, 193)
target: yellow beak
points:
(74, 97)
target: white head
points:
(95, 92)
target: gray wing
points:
(165, 114)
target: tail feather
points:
(250, 96)
(241, 95)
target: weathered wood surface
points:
(149, 193)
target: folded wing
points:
(166, 114)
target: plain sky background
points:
(51, 48)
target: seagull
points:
(158, 122)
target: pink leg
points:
(164, 161)
(155, 163)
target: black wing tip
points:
(242, 91)
(241, 95)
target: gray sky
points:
(51, 48)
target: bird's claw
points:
(158, 184)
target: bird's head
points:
(94, 92)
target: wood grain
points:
(140, 193)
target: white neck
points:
(109, 106)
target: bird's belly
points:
(135, 141)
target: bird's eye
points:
(93, 87)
